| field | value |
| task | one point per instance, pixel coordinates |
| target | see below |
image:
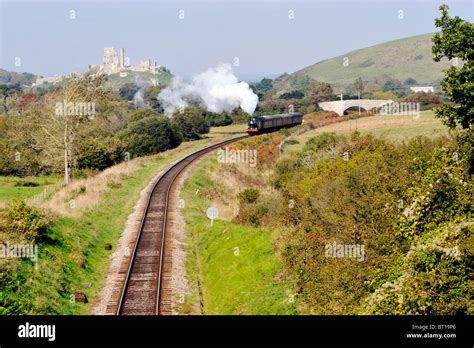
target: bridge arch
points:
(355, 109)
(340, 106)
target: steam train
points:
(270, 123)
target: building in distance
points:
(426, 89)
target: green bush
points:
(241, 117)
(432, 278)
(150, 135)
(365, 199)
(217, 120)
(100, 156)
(23, 223)
(248, 196)
(27, 164)
(140, 114)
(292, 95)
(292, 142)
(190, 123)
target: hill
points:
(400, 59)
(115, 81)
(14, 77)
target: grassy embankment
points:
(236, 265)
(73, 252)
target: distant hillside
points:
(14, 77)
(400, 59)
(114, 81)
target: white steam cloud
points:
(138, 99)
(218, 89)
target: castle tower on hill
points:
(113, 63)
(110, 62)
(122, 58)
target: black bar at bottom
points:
(224, 330)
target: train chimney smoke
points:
(217, 89)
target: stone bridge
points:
(340, 106)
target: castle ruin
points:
(113, 63)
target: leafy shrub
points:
(14, 296)
(99, 157)
(26, 184)
(190, 123)
(443, 191)
(27, 164)
(140, 114)
(217, 120)
(292, 142)
(427, 100)
(150, 135)
(292, 95)
(128, 90)
(241, 117)
(357, 201)
(432, 278)
(248, 196)
(23, 223)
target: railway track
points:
(146, 289)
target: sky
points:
(268, 37)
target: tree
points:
(143, 113)
(265, 85)
(25, 101)
(128, 90)
(320, 91)
(358, 85)
(54, 128)
(426, 100)
(292, 95)
(150, 135)
(410, 82)
(392, 85)
(215, 119)
(455, 42)
(191, 123)
(8, 97)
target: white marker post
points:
(212, 213)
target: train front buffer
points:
(252, 127)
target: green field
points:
(236, 265)
(392, 127)
(12, 187)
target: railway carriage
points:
(270, 123)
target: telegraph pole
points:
(358, 94)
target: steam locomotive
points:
(270, 123)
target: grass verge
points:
(234, 267)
